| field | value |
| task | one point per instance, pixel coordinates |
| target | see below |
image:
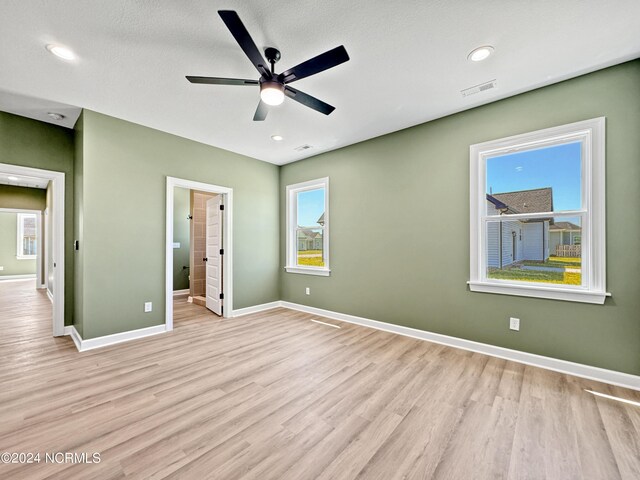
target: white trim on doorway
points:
(57, 181)
(227, 239)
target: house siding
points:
(532, 241)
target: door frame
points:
(58, 183)
(227, 242)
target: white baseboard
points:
(12, 278)
(105, 341)
(577, 369)
(179, 293)
(256, 308)
(75, 336)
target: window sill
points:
(536, 291)
(26, 257)
(322, 272)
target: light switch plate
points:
(176, 244)
(148, 306)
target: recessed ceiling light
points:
(55, 116)
(277, 138)
(61, 52)
(480, 53)
(13, 179)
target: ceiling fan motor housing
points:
(272, 54)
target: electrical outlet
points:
(307, 291)
(1, 268)
(148, 306)
(514, 324)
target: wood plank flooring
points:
(276, 396)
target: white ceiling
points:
(408, 61)
(23, 181)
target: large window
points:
(538, 214)
(308, 227)
(27, 242)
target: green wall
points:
(400, 227)
(181, 224)
(36, 144)
(8, 248)
(124, 170)
(78, 225)
(22, 197)
(16, 198)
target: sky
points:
(558, 167)
(310, 207)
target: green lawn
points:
(573, 262)
(315, 261)
(518, 274)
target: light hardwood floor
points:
(276, 396)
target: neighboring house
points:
(509, 242)
(564, 233)
(309, 240)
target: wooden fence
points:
(569, 250)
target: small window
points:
(27, 241)
(308, 227)
(549, 187)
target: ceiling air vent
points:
(302, 148)
(479, 88)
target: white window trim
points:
(292, 216)
(592, 133)
(19, 243)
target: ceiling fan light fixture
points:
(272, 93)
(480, 53)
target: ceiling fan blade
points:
(315, 65)
(221, 81)
(240, 33)
(261, 112)
(308, 100)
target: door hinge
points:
(221, 207)
(205, 259)
(222, 296)
(222, 251)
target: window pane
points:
(310, 247)
(537, 250)
(310, 208)
(29, 246)
(540, 180)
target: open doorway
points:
(199, 261)
(32, 236)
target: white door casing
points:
(213, 265)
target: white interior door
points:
(214, 257)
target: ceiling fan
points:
(274, 87)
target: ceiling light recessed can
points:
(55, 116)
(61, 52)
(480, 53)
(277, 138)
